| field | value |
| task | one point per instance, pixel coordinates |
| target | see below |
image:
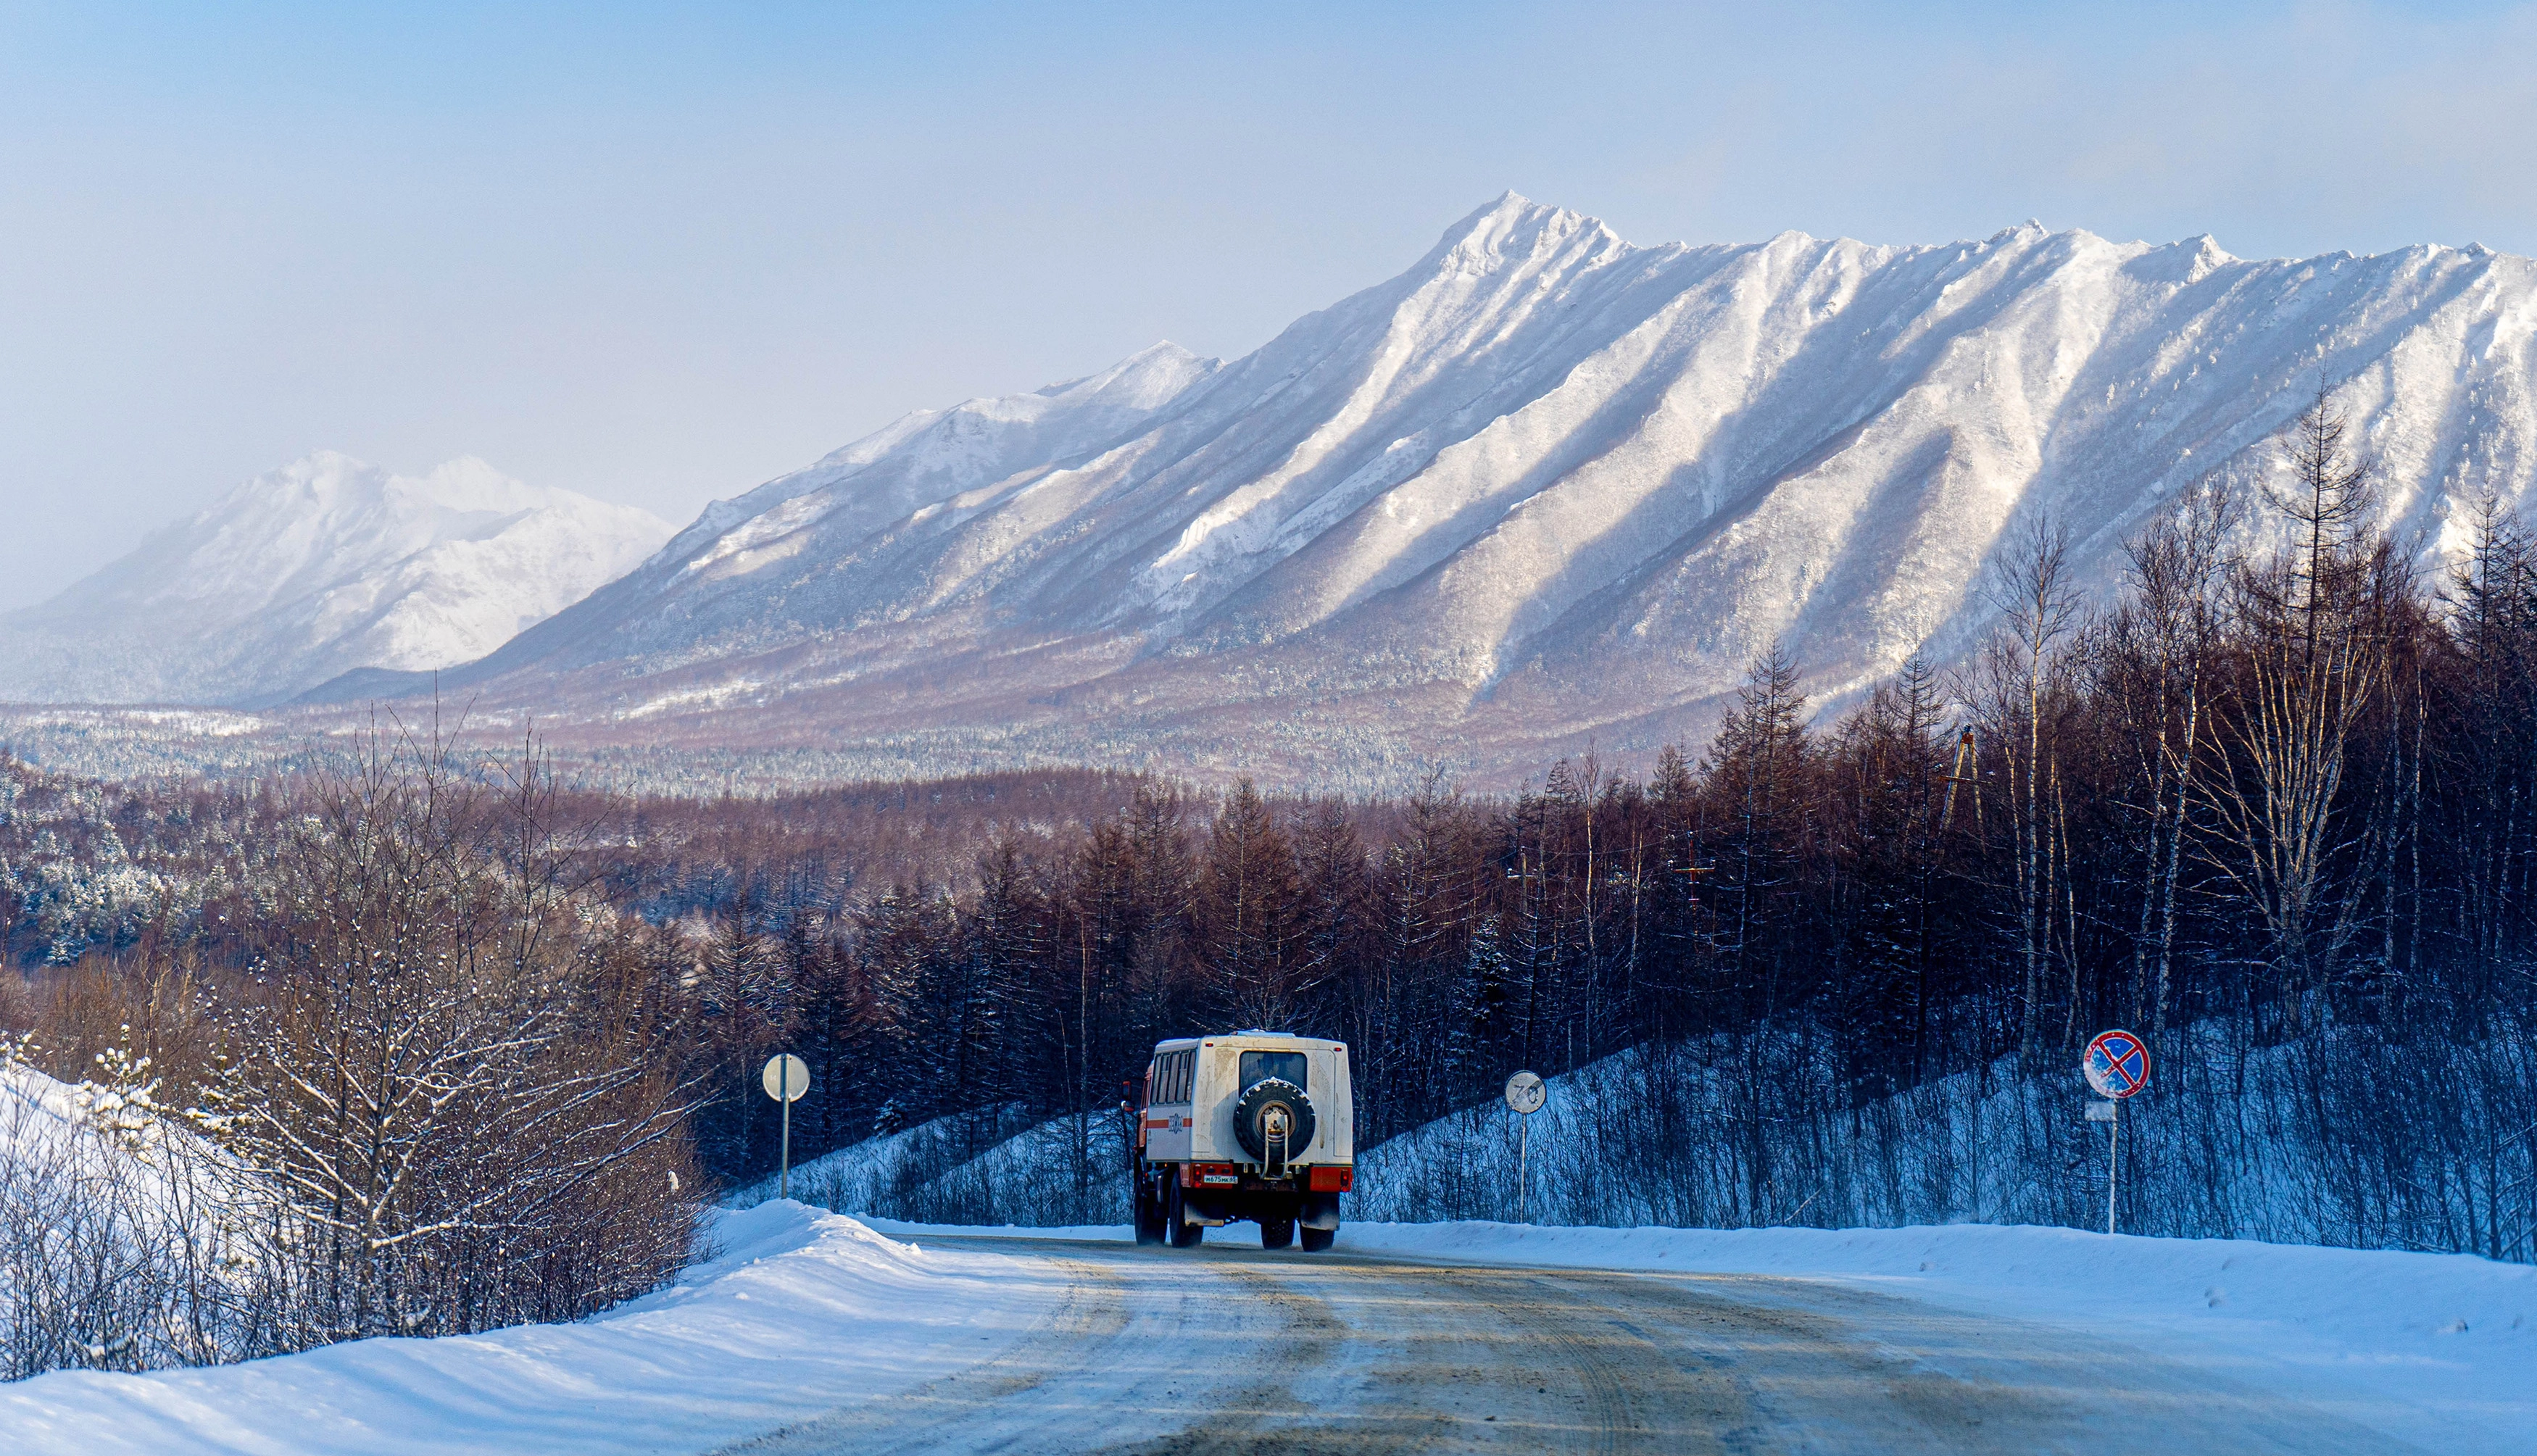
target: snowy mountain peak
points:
(331, 482)
(323, 566)
(1515, 230)
(1141, 380)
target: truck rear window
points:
(1259, 1066)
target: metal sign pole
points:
(777, 1079)
(2114, 1163)
(1523, 1149)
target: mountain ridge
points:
(1545, 487)
(323, 566)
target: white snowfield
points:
(1545, 484)
(813, 1320)
(322, 567)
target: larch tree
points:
(2313, 651)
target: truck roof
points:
(1248, 1039)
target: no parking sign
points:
(2117, 1064)
(2117, 1067)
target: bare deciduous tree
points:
(2163, 642)
(2313, 624)
(448, 1107)
(2019, 671)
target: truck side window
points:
(1259, 1066)
(1172, 1080)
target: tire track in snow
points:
(1219, 1349)
(1091, 1313)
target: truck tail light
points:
(1333, 1180)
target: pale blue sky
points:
(661, 253)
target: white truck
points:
(1254, 1126)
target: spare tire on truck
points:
(1274, 1112)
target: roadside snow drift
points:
(801, 1312)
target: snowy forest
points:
(2276, 811)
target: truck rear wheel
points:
(1318, 1239)
(1184, 1234)
(1278, 1232)
(1150, 1214)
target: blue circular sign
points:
(2117, 1064)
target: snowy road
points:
(1234, 1349)
(808, 1331)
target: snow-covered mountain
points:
(1545, 487)
(325, 566)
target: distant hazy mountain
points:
(1545, 487)
(322, 567)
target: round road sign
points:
(2117, 1064)
(786, 1078)
(1526, 1094)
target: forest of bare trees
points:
(469, 1046)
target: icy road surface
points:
(1232, 1348)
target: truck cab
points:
(1256, 1125)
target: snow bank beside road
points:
(987, 1165)
(802, 1311)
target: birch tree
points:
(2021, 670)
(2169, 632)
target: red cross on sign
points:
(2117, 1064)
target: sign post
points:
(1526, 1094)
(2116, 1065)
(786, 1078)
